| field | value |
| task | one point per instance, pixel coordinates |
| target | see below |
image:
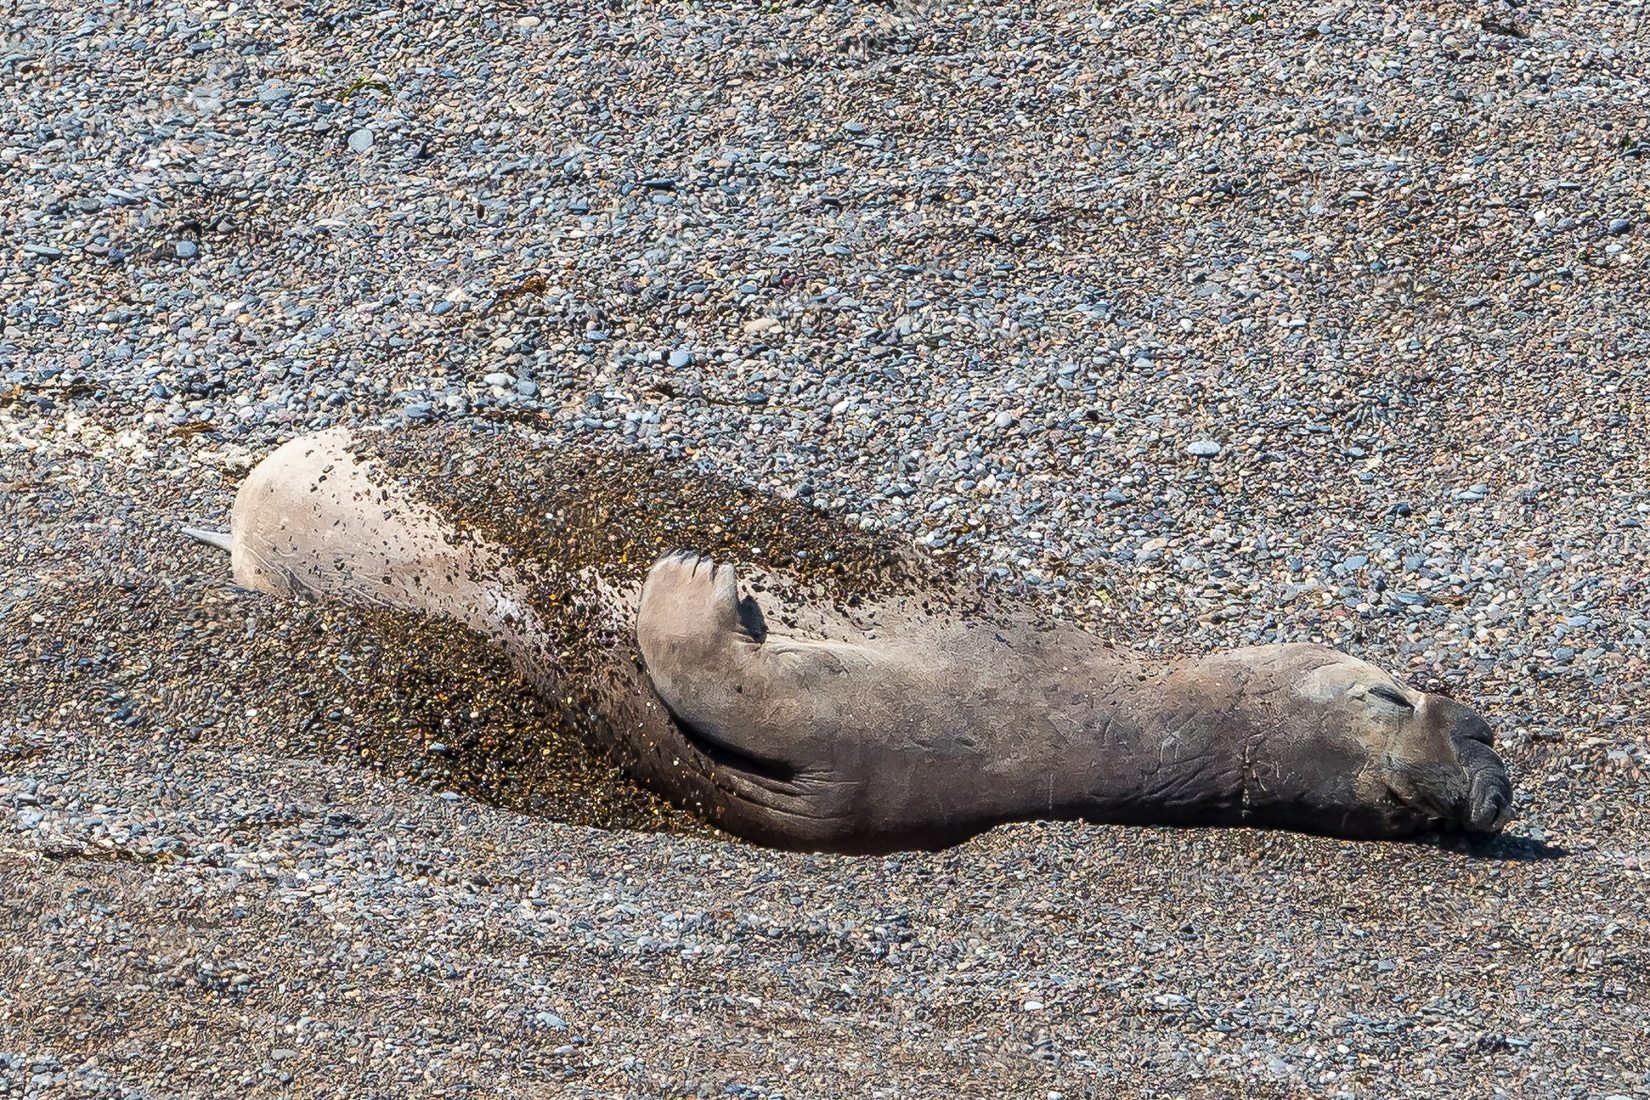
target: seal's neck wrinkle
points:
(1124, 742)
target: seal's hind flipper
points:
(220, 539)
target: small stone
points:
(854, 127)
(1619, 226)
(441, 307)
(1006, 419)
(527, 387)
(679, 358)
(528, 22)
(44, 251)
(418, 410)
(186, 250)
(1203, 448)
(500, 379)
(361, 140)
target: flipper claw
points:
(220, 539)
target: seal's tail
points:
(220, 539)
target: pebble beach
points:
(1203, 325)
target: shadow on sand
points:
(1506, 849)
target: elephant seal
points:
(908, 720)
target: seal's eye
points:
(1390, 695)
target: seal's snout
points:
(1487, 805)
(1465, 783)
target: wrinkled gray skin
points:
(901, 728)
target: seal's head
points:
(1415, 759)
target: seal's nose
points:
(1489, 805)
(1462, 722)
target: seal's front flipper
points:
(700, 654)
(220, 539)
